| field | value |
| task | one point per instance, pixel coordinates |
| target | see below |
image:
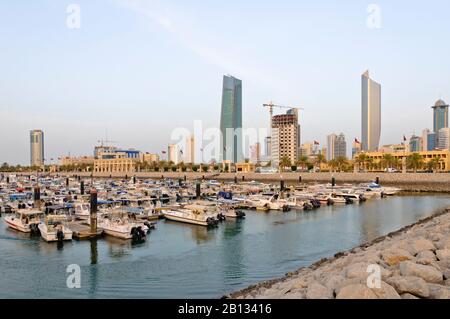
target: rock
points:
(428, 273)
(334, 282)
(444, 243)
(439, 292)
(386, 291)
(408, 284)
(447, 283)
(356, 291)
(359, 270)
(318, 291)
(408, 296)
(300, 283)
(421, 244)
(394, 256)
(446, 273)
(443, 254)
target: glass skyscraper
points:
(440, 116)
(371, 114)
(231, 120)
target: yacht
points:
(54, 228)
(228, 209)
(25, 220)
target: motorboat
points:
(54, 228)
(192, 214)
(25, 220)
(228, 209)
(122, 225)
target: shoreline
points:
(414, 182)
(297, 284)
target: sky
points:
(136, 70)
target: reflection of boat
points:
(26, 221)
(192, 214)
(54, 228)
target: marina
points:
(216, 237)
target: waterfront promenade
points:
(413, 262)
(409, 182)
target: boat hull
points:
(186, 220)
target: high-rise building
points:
(425, 133)
(189, 153)
(255, 153)
(371, 114)
(336, 146)
(268, 145)
(37, 148)
(172, 153)
(444, 139)
(331, 145)
(285, 137)
(340, 146)
(231, 120)
(431, 141)
(440, 115)
(415, 144)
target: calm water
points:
(179, 260)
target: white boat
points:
(82, 210)
(192, 214)
(120, 225)
(25, 220)
(53, 228)
(228, 209)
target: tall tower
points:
(36, 148)
(371, 114)
(440, 116)
(231, 120)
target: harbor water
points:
(185, 261)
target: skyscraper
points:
(444, 138)
(371, 114)
(415, 144)
(231, 120)
(189, 154)
(336, 146)
(172, 153)
(440, 116)
(36, 148)
(285, 137)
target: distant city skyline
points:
(139, 69)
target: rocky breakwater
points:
(411, 263)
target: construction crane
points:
(271, 105)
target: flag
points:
(181, 152)
(316, 143)
(164, 152)
(404, 138)
(356, 141)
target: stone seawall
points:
(413, 262)
(408, 181)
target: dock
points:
(83, 231)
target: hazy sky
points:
(140, 68)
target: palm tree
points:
(387, 161)
(333, 164)
(361, 160)
(434, 164)
(302, 162)
(285, 162)
(414, 161)
(320, 158)
(341, 163)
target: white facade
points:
(189, 153)
(371, 114)
(172, 153)
(444, 139)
